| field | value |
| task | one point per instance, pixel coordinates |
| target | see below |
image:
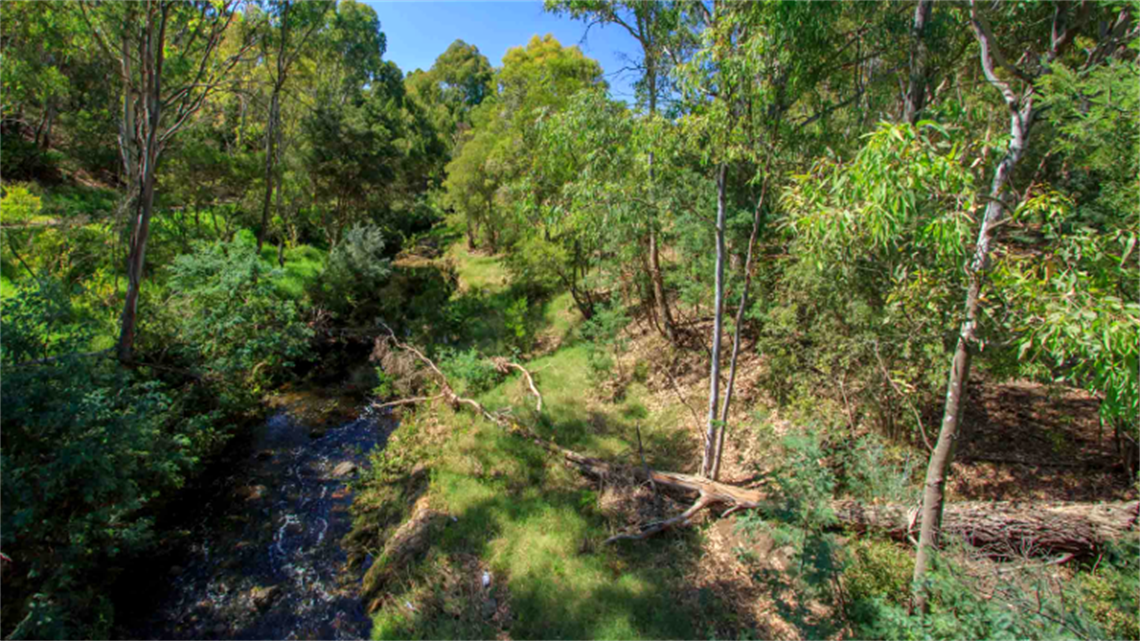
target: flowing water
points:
(262, 557)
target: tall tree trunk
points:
(152, 63)
(471, 231)
(659, 296)
(916, 86)
(270, 142)
(757, 219)
(136, 262)
(943, 455)
(274, 118)
(281, 211)
(718, 317)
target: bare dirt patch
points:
(1034, 442)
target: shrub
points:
(22, 159)
(1109, 593)
(232, 319)
(85, 447)
(474, 372)
(359, 259)
(517, 323)
(20, 207)
(875, 470)
(877, 569)
(39, 322)
(606, 342)
(1027, 606)
(357, 270)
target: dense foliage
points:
(874, 200)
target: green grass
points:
(67, 201)
(302, 266)
(518, 513)
(7, 287)
(560, 317)
(535, 524)
(478, 271)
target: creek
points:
(258, 555)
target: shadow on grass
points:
(537, 527)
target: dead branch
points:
(998, 529)
(407, 401)
(503, 366)
(446, 391)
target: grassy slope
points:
(477, 271)
(533, 524)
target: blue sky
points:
(419, 31)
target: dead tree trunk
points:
(999, 529)
(1007, 530)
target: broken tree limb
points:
(445, 388)
(503, 366)
(998, 529)
(407, 401)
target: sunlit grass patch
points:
(7, 288)
(478, 271)
(560, 317)
(302, 266)
(535, 526)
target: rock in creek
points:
(262, 598)
(344, 469)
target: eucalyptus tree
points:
(39, 42)
(1080, 302)
(587, 156)
(354, 152)
(489, 169)
(471, 184)
(765, 76)
(915, 98)
(366, 146)
(1019, 85)
(457, 82)
(283, 17)
(656, 28)
(171, 60)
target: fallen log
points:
(1007, 529)
(997, 529)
